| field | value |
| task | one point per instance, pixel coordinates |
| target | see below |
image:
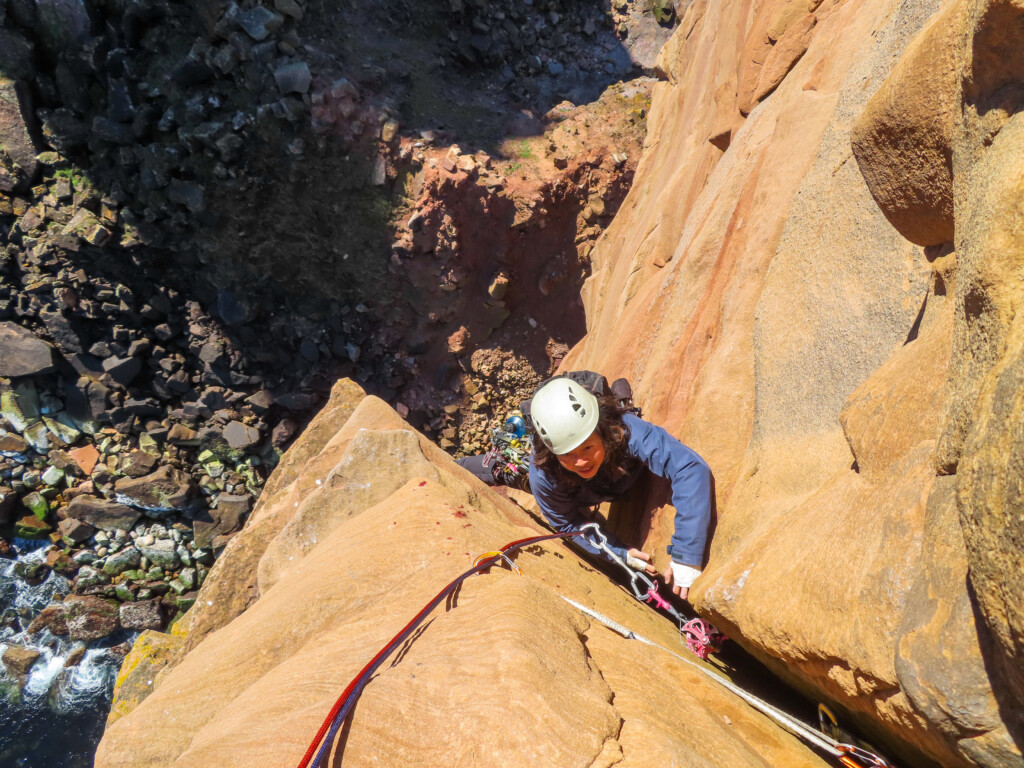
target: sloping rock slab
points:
(22, 353)
(569, 692)
(555, 703)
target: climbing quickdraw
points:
(644, 589)
(699, 636)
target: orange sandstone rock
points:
(506, 672)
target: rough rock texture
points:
(17, 149)
(22, 353)
(150, 653)
(506, 670)
(833, 374)
(103, 514)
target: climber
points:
(589, 449)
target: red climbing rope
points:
(339, 712)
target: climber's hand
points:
(681, 577)
(639, 560)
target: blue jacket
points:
(656, 450)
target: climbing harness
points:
(700, 636)
(320, 747)
(849, 755)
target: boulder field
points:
(365, 522)
(814, 281)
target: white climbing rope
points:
(787, 721)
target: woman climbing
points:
(591, 449)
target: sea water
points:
(56, 718)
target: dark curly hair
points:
(613, 433)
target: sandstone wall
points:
(362, 525)
(857, 395)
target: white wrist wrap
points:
(635, 563)
(683, 575)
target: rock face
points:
(815, 282)
(856, 395)
(346, 555)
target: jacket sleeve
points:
(565, 514)
(690, 477)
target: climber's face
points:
(586, 459)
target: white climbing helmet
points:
(565, 414)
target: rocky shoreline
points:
(135, 441)
(162, 341)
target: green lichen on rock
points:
(151, 652)
(664, 11)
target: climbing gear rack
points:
(698, 635)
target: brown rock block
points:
(52, 617)
(166, 489)
(90, 618)
(103, 514)
(19, 659)
(13, 444)
(21, 352)
(783, 57)
(150, 653)
(903, 141)
(138, 463)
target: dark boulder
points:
(90, 618)
(165, 490)
(18, 162)
(103, 514)
(22, 353)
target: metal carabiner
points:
(642, 594)
(870, 759)
(599, 538)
